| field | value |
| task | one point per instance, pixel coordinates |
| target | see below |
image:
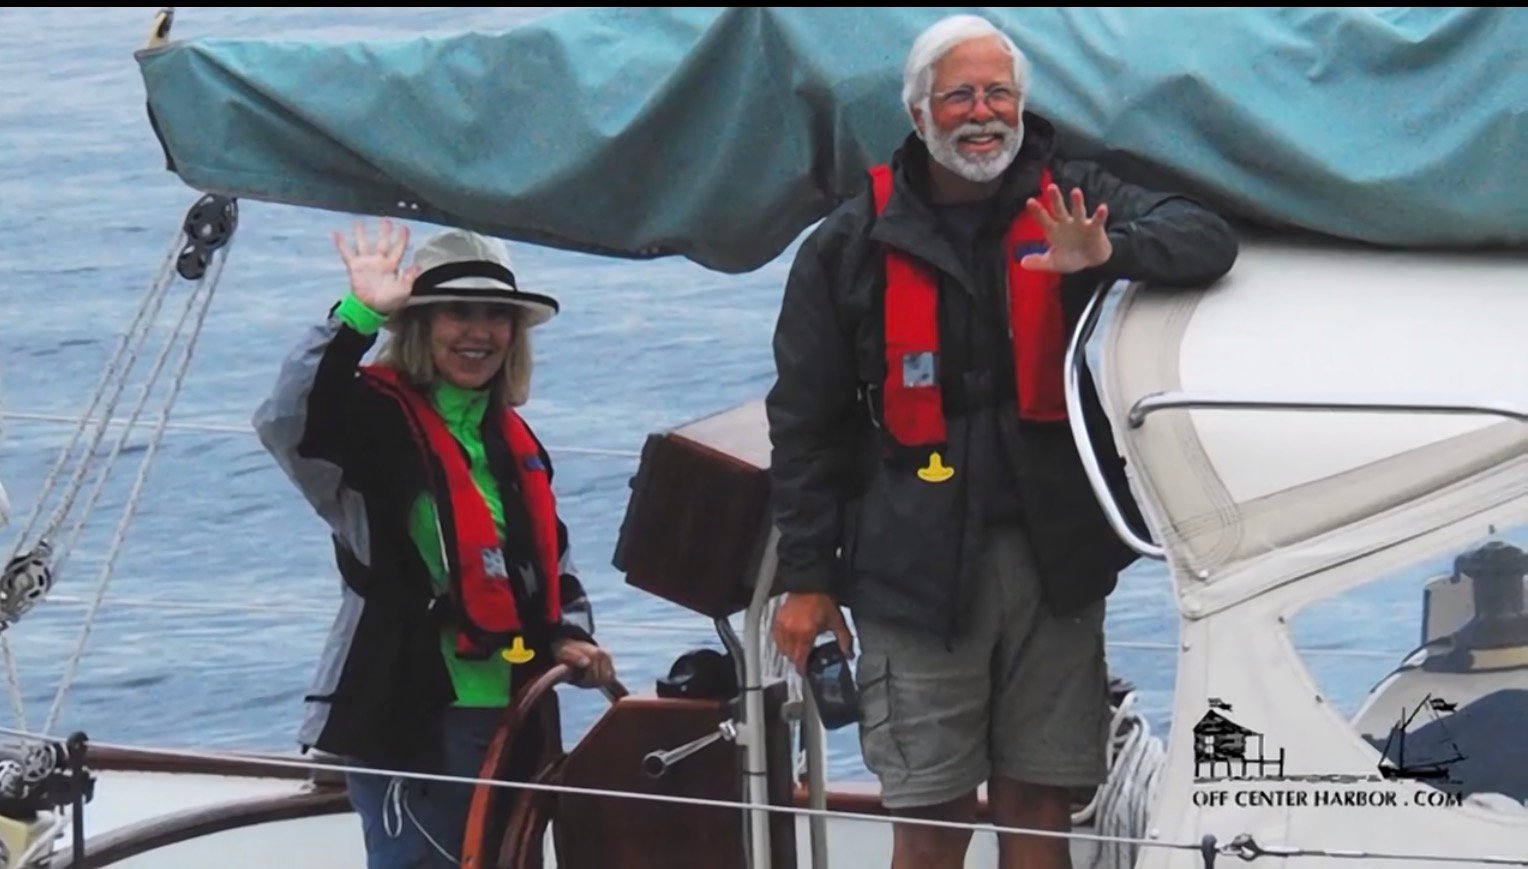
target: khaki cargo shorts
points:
(1022, 694)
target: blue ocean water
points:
(241, 566)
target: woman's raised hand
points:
(373, 266)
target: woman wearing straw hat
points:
(457, 582)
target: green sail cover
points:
(720, 134)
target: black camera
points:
(832, 685)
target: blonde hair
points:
(408, 351)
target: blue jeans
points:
(401, 817)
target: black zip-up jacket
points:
(863, 527)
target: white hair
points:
(936, 42)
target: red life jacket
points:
(483, 590)
(912, 402)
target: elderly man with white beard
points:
(923, 472)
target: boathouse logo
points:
(1237, 765)
(1223, 749)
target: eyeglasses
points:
(998, 97)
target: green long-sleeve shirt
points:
(478, 682)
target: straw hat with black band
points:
(461, 266)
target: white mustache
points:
(991, 128)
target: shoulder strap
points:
(540, 504)
(912, 404)
(880, 186)
(1037, 322)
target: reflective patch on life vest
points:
(1023, 250)
(918, 369)
(493, 564)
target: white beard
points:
(980, 167)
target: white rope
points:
(201, 606)
(403, 800)
(1226, 848)
(231, 428)
(288, 610)
(5, 501)
(313, 766)
(1276, 851)
(1121, 805)
(392, 808)
(1385, 654)
(13, 681)
(274, 609)
(137, 331)
(206, 288)
(62, 553)
(209, 427)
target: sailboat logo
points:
(1396, 763)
